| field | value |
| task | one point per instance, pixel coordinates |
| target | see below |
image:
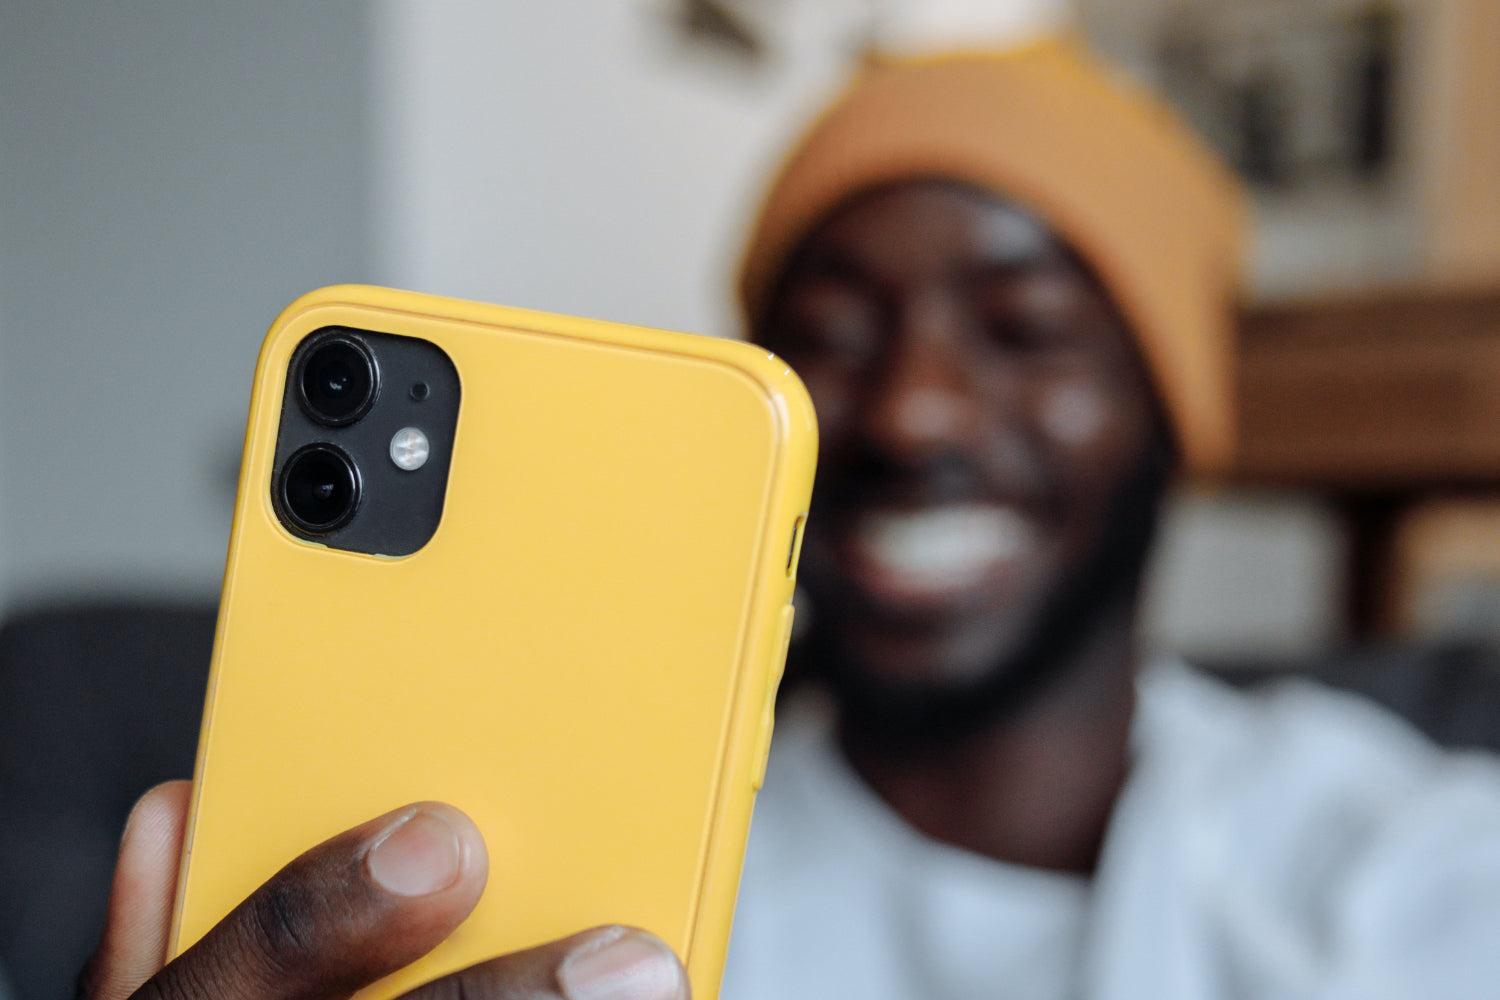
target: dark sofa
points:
(100, 702)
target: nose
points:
(923, 399)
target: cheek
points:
(1095, 434)
(1073, 415)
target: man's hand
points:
(343, 915)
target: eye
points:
(1027, 334)
(830, 323)
(1045, 317)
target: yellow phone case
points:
(583, 658)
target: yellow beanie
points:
(1121, 179)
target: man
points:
(1007, 282)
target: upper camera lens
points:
(336, 380)
(319, 488)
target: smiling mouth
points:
(934, 556)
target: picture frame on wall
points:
(1316, 105)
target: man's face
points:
(981, 407)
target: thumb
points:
(134, 945)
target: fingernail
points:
(417, 856)
(621, 964)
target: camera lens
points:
(319, 488)
(336, 380)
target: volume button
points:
(763, 746)
(783, 643)
(794, 551)
(768, 708)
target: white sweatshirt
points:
(1293, 844)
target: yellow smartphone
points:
(535, 566)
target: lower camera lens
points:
(319, 488)
(336, 380)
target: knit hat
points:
(1146, 205)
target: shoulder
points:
(1309, 755)
(1330, 742)
(1330, 809)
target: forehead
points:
(915, 228)
(991, 253)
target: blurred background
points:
(171, 174)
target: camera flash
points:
(409, 449)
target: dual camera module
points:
(336, 382)
(366, 436)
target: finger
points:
(134, 943)
(343, 915)
(608, 963)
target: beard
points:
(1104, 583)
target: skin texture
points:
(978, 395)
(343, 915)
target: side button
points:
(763, 747)
(768, 709)
(794, 551)
(783, 643)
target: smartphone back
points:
(582, 657)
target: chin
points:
(955, 656)
(929, 691)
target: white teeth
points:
(945, 546)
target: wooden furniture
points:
(1378, 401)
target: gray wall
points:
(171, 174)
